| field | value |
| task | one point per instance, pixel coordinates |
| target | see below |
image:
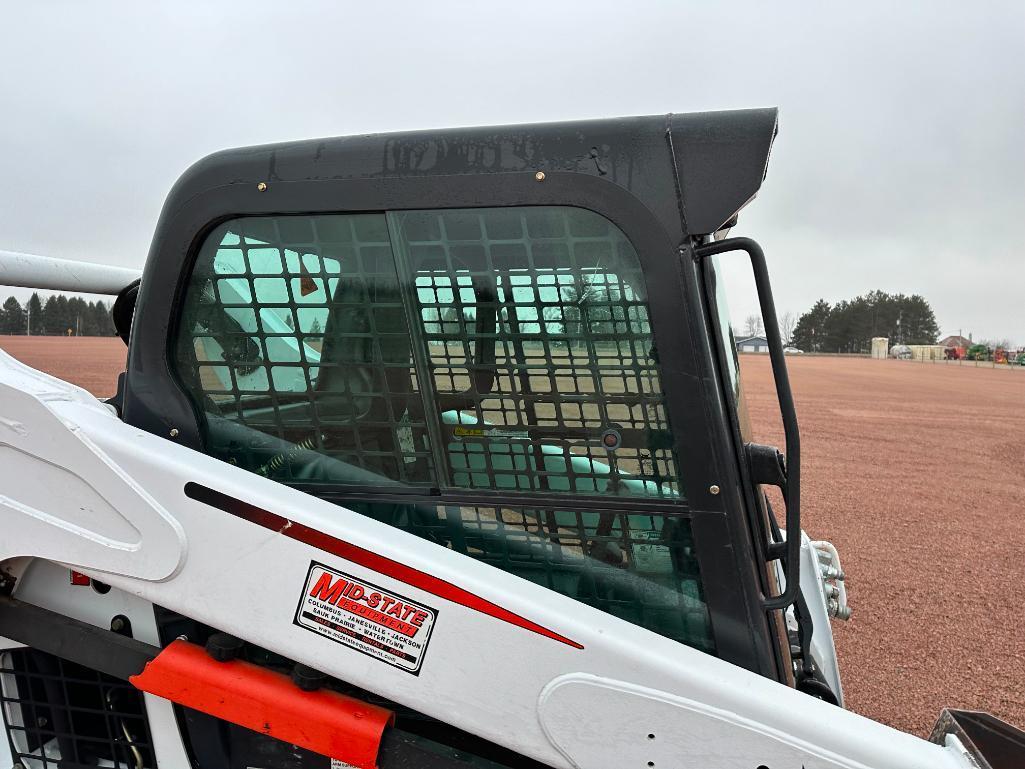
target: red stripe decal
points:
(366, 558)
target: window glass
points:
(640, 568)
(537, 340)
(454, 351)
(726, 339)
(295, 342)
(518, 339)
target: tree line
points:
(849, 325)
(59, 315)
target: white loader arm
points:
(34, 271)
(495, 655)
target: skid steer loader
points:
(430, 451)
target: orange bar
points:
(267, 702)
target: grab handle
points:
(791, 552)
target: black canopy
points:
(693, 171)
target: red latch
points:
(80, 579)
(267, 702)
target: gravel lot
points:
(915, 471)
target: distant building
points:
(880, 346)
(955, 340)
(753, 344)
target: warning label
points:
(494, 432)
(365, 617)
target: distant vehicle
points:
(900, 352)
(979, 352)
(792, 351)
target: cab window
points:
(452, 353)
(480, 348)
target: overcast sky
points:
(900, 163)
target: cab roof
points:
(694, 171)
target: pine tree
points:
(77, 307)
(850, 325)
(63, 317)
(103, 325)
(50, 322)
(810, 331)
(12, 317)
(87, 327)
(34, 319)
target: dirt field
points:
(89, 362)
(915, 471)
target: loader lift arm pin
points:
(791, 553)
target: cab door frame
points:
(728, 558)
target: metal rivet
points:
(540, 176)
(262, 186)
(713, 489)
(611, 439)
(174, 432)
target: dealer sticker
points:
(365, 617)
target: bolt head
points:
(262, 186)
(540, 176)
(174, 432)
(713, 490)
(611, 439)
(224, 647)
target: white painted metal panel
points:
(654, 728)
(33, 271)
(485, 675)
(67, 500)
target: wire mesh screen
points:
(501, 348)
(59, 715)
(540, 350)
(639, 567)
(296, 327)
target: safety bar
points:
(792, 490)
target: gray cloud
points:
(900, 162)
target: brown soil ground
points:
(89, 362)
(915, 471)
